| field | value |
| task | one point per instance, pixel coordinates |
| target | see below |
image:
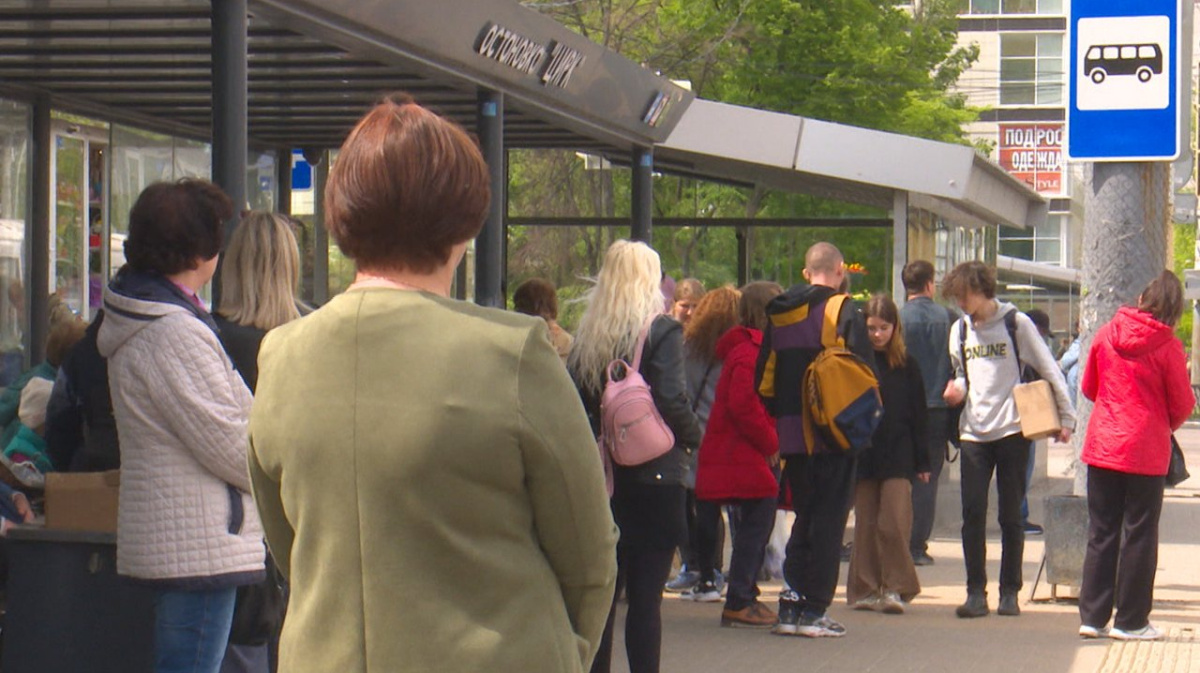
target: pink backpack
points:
(631, 429)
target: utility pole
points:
(1125, 234)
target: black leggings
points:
(642, 573)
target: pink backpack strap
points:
(641, 343)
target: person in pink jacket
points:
(1136, 373)
(739, 459)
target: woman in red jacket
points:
(739, 458)
(1137, 375)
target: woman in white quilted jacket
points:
(186, 523)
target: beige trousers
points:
(881, 560)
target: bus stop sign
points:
(1125, 82)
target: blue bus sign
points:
(1125, 84)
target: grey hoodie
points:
(990, 412)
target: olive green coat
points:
(428, 482)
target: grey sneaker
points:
(1008, 604)
(819, 626)
(1086, 631)
(868, 602)
(976, 606)
(921, 558)
(686, 579)
(1147, 632)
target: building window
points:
(1010, 7)
(1031, 69)
(1043, 243)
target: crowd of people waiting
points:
(425, 471)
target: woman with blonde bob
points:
(648, 499)
(259, 277)
(426, 476)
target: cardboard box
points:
(1038, 410)
(82, 501)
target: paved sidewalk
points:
(930, 638)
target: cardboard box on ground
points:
(82, 501)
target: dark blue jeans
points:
(822, 487)
(751, 522)
(191, 630)
(1007, 458)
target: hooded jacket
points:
(790, 344)
(991, 372)
(1136, 373)
(741, 434)
(185, 518)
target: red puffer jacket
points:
(740, 434)
(1137, 376)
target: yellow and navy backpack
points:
(840, 394)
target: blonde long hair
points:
(625, 296)
(260, 272)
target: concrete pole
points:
(1125, 235)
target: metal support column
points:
(899, 243)
(283, 180)
(743, 255)
(229, 98)
(489, 246)
(38, 230)
(319, 160)
(642, 190)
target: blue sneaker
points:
(789, 614)
(684, 581)
(719, 581)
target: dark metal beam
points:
(39, 229)
(230, 135)
(642, 187)
(141, 13)
(489, 245)
(789, 222)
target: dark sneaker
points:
(819, 626)
(755, 616)
(789, 614)
(1033, 529)
(1008, 604)
(921, 558)
(686, 579)
(976, 606)
(704, 592)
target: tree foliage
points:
(866, 63)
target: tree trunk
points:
(1125, 236)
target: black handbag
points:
(1177, 471)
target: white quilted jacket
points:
(181, 412)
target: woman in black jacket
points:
(648, 499)
(882, 576)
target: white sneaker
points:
(868, 602)
(1147, 632)
(891, 604)
(1086, 631)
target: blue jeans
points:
(191, 630)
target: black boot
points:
(1008, 604)
(976, 605)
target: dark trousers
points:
(1120, 502)
(641, 573)
(822, 486)
(924, 496)
(1007, 457)
(751, 522)
(707, 540)
(689, 553)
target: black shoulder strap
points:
(1010, 324)
(962, 349)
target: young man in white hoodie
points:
(986, 369)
